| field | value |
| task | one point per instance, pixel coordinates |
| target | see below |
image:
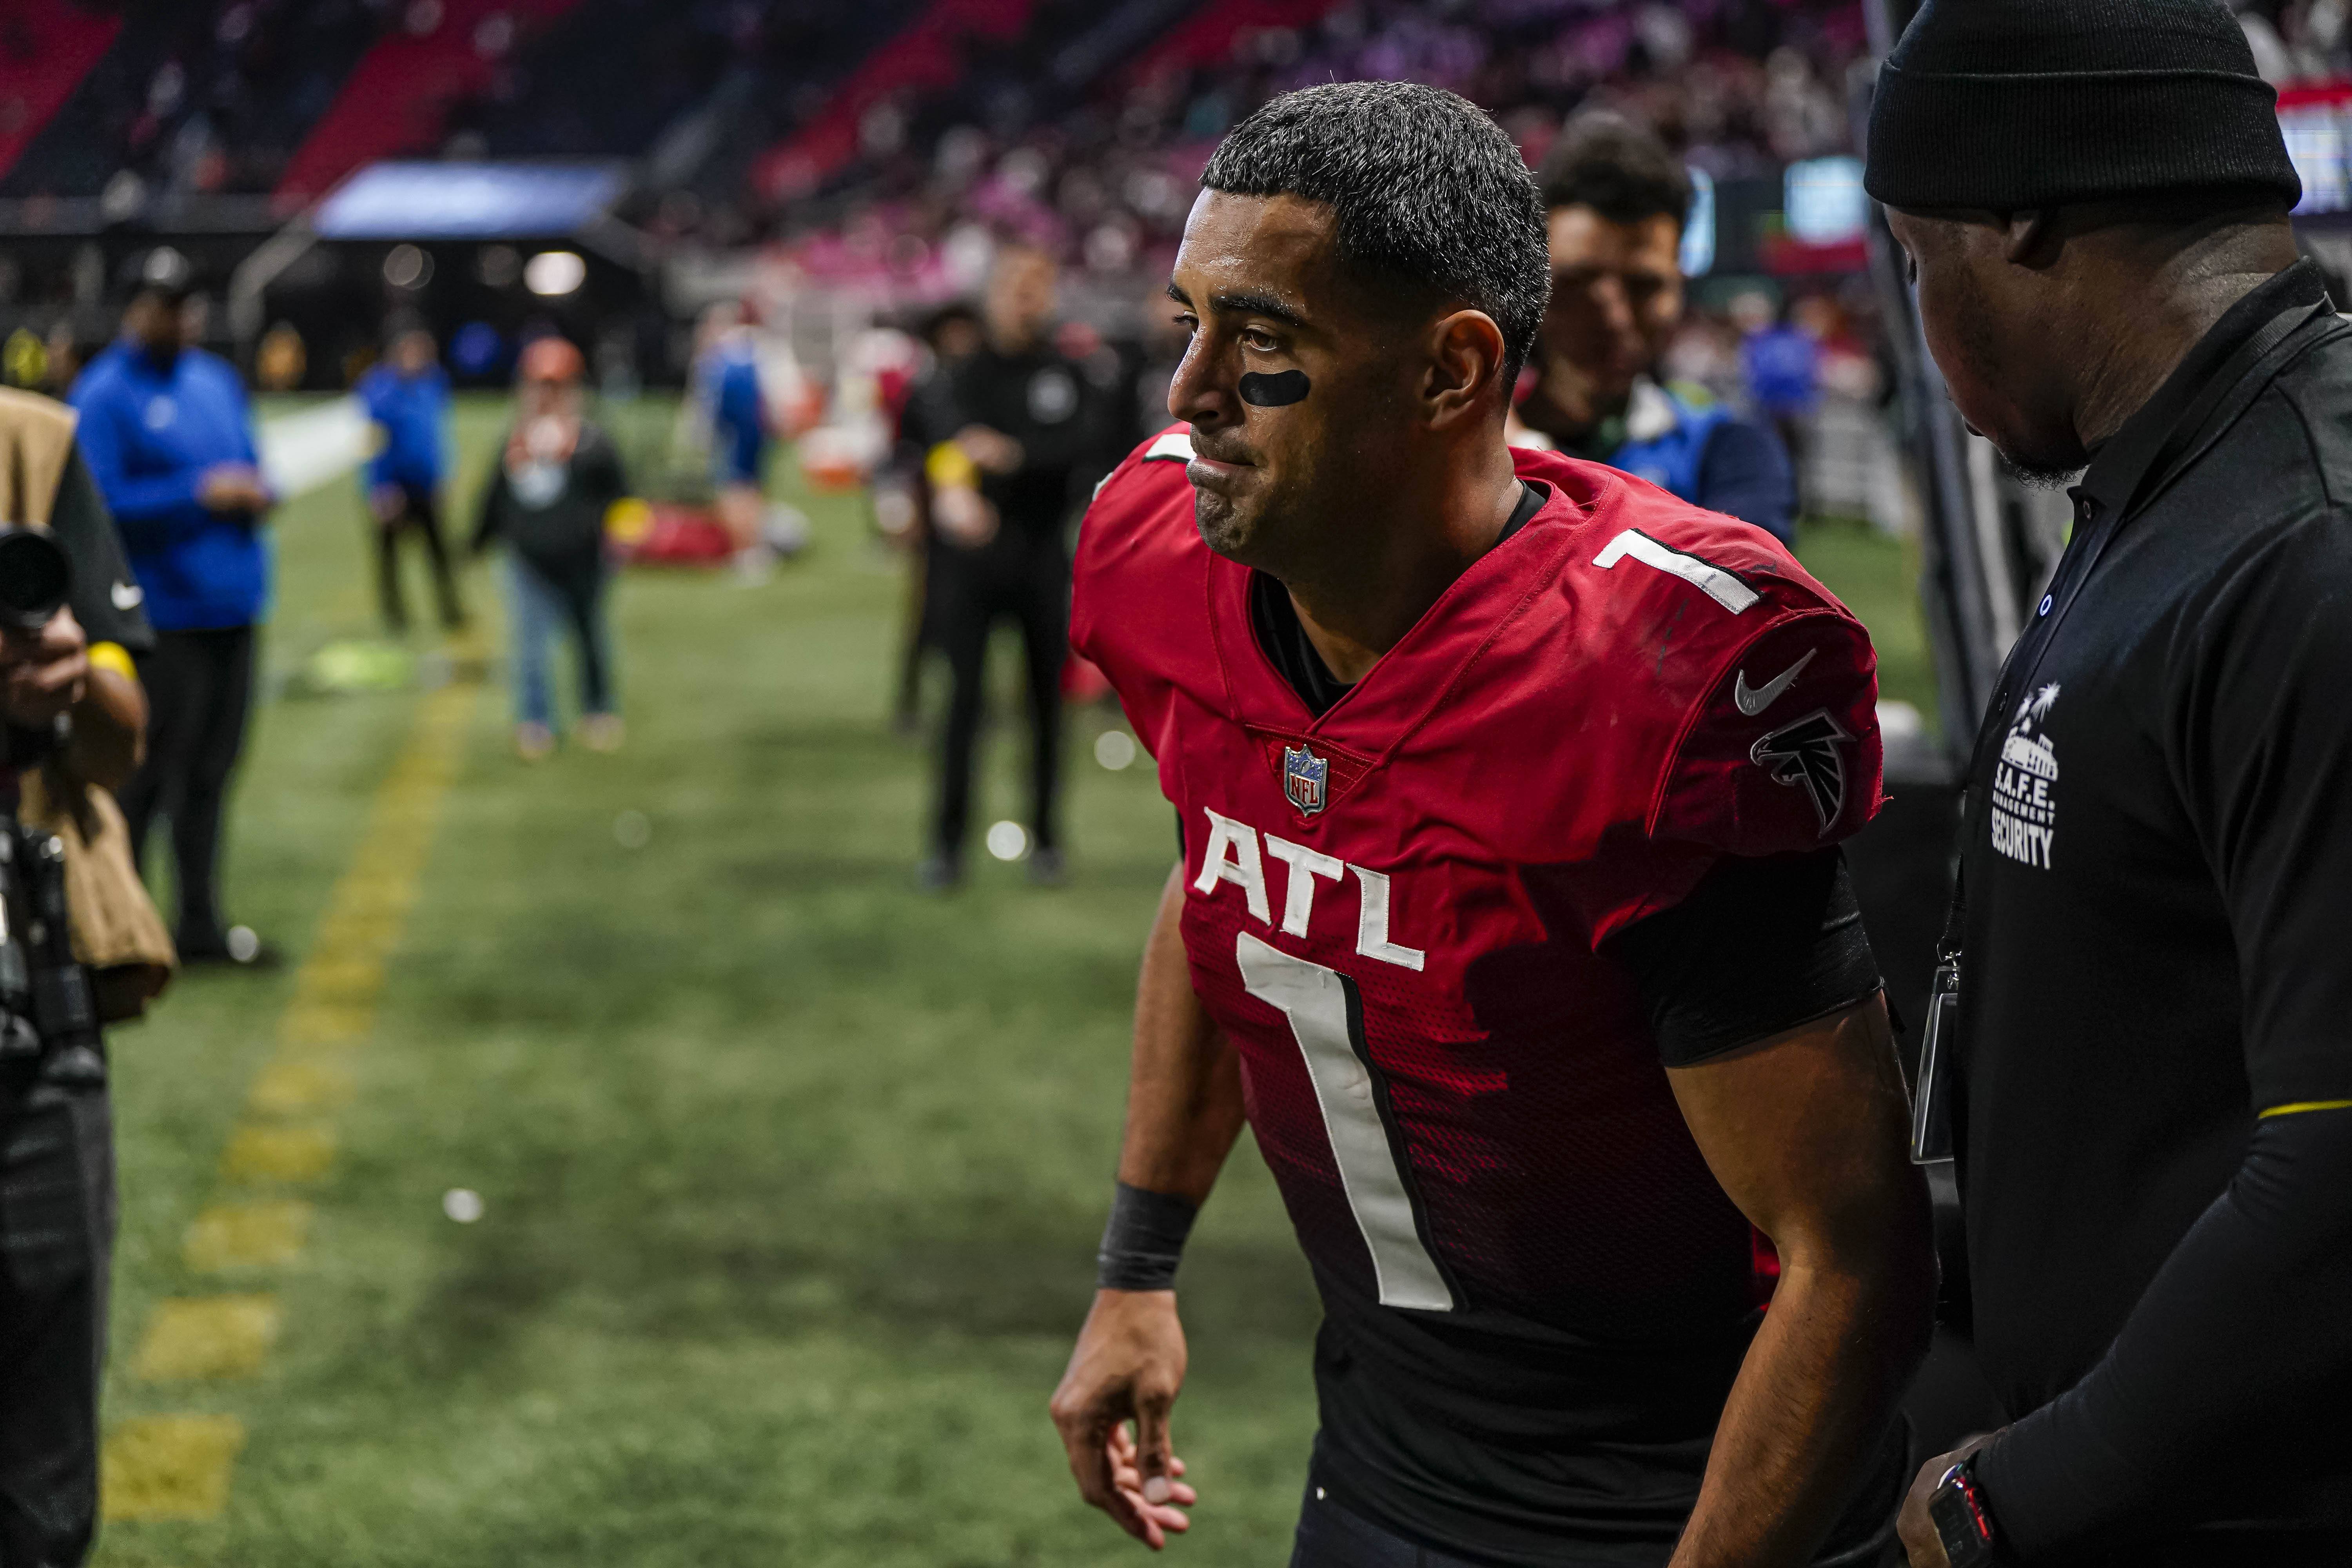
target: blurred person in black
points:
(1136, 370)
(1615, 203)
(70, 700)
(2149, 1067)
(1000, 508)
(952, 334)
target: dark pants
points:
(915, 635)
(1011, 577)
(542, 608)
(199, 688)
(419, 513)
(1330, 1536)
(57, 1242)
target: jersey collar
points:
(1410, 681)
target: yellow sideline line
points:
(178, 1467)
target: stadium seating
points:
(398, 97)
(184, 99)
(47, 48)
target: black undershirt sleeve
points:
(1761, 945)
(2229, 1381)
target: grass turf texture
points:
(791, 1176)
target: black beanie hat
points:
(2015, 104)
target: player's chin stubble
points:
(1222, 526)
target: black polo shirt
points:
(2158, 865)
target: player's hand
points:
(1912, 1524)
(387, 502)
(991, 451)
(47, 671)
(1128, 1366)
(233, 488)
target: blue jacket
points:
(1783, 370)
(1698, 449)
(148, 436)
(412, 411)
(730, 388)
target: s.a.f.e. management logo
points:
(2025, 784)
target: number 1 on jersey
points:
(1317, 1001)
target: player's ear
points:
(1465, 361)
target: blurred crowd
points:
(1738, 86)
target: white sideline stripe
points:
(1712, 580)
(299, 452)
(1171, 443)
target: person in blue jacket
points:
(407, 397)
(727, 381)
(168, 435)
(1615, 201)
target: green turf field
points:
(791, 1178)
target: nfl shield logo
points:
(1304, 778)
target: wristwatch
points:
(1962, 1521)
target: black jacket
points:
(555, 520)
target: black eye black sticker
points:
(1280, 390)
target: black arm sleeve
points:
(1761, 945)
(106, 598)
(2230, 1376)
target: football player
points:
(1509, 914)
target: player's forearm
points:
(1184, 1095)
(1812, 1398)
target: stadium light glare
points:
(1824, 200)
(1698, 230)
(407, 267)
(553, 273)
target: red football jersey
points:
(1393, 910)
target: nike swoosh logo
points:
(1754, 699)
(128, 595)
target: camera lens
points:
(33, 578)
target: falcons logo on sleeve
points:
(1805, 754)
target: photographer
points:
(74, 714)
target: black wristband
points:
(1144, 1240)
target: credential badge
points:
(1306, 779)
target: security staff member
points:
(2154, 1089)
(169, 438)
(57, 1140)
(1616, 202)
(1025, 426)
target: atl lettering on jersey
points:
(1395, 910)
